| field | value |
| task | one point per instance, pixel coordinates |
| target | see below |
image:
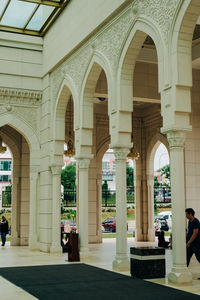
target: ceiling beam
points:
(45, 2)
(18, 30)
(138, 99)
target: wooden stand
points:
(73, 254)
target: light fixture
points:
(70, 144)
(133, 154)
(2, 148)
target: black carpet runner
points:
(84, 282)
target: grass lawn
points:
(113, 235)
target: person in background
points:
(193, 235)
(4, 230)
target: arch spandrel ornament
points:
(110, 39)
(21, 103)
(75, 67)
(161, 12)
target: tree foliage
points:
(129, 176)
(156, 183)
(165, 171)
(68, 177)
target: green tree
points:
(6, 196)
(129, 176)
(68, 181)
(156, 183)
(105, 192)
(165, 171)
(68, 177)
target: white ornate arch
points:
(181, 42)
(97, 63)
(27, 132)
(104, 146)
(151, 150)
(67, 89)
(142, 26)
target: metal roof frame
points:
(58, 6)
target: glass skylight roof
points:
(32, 17)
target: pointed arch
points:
(151, 150)
(27, 132)
(98, 63)
(181, 44)
(66, 90)
(132, 46)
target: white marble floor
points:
(100, 255)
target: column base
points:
(151, 235)
(180, 275)
(54, 249)
(138, 235)
(121, 263)
(14, 241)
(33, 244)
(84, 252)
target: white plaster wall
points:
(20, 61)
(75, 23)
(192, 149)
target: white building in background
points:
(109, 168)
(5, 173)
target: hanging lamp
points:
(133, 154)
(2, 148)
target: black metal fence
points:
(162, 194)
(6, 199)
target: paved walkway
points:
(101, 255)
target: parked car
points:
(160, 224)
(167, 216)
(110, 224)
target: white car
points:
(167, 215)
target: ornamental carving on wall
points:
(22, 103)
(75, 67)
(160, 11)
(109, 41)
(20, 97)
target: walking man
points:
(193, 235)
(4, 230)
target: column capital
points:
(176, 139)
(121, 153)
(56, 169)
(33, 175)
(83, 163)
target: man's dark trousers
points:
(3, 238)
(193, 249)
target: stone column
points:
(121, 262)
(33, 238)
(99, 205)
(83, 165)
(138, 208)
(15, 231)
(179, 272)
(56, 204)
(150, 187)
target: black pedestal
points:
(147, 262)
(73, 254)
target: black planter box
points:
(147, 263)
